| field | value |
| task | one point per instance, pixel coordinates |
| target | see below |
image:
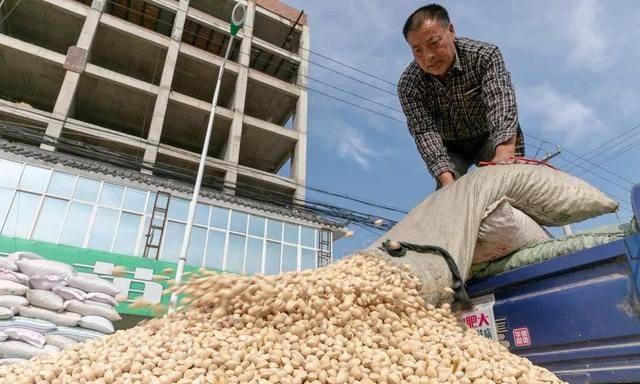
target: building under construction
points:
(103, 111)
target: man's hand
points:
(505, 152)
(446, 178)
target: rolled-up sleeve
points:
(423, 129)
(500, 99)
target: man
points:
(457, 97)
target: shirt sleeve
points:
(423, 129)
(500, 98)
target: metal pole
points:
(196, 188)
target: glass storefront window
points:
(253, 262)
(238, 222)
(202, 214)
(291, 233)
(274, 230)
(219, 218)
(289, 258)
(21, 215)
(76, 224)
(104, 228)
(173, 235)
(61, 184)
(34, 179)
(308, 237)
(178, 208)
(87, 189)
(111, 195)
(134, 200)
(49, 224)
(215, 249)
(235, 253)
(127, 233)
(256, 225)
(6, 196)
(307, 259)
(272, 258)
(10, 175)
(195, 250)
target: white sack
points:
(45, 299)
(48, 282)
(70, 293)
(8, 264)
(17, 277)
(97, 323)
(13, 302)
(19, 255)
(59, 341)
(68, 319)
(102, 298)
(38, 267)
(28, 336)
(6, 313)
(450, 218)
(504, 230)
(93, 284)
(19, 349)
(87, 309)
(12, 288)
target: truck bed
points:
(577, 315)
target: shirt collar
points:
(457, 64)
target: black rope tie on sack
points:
(400, 248)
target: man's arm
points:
(423, 129)
(499, 97)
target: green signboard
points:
(134, 274)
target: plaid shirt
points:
(475, 98)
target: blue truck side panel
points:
(580, 313)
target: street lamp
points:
(237, 20)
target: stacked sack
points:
(46, 306)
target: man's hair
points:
(422, 14)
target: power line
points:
(225, 166)
(604, 147)
(592, 163)
(255, 192)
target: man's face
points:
(433, 48)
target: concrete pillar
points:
(74, 64)
(162, 100)
(232, 148)
(299, 156)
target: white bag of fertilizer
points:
(47, 282)
(19, 349)
(17, 277)
(97, 323)
(45, 299)
(6, 313)
(68, 319)
(102, 298)
(8, 264)
(13, 302)
(69, 293)
(12, 288)
(28, 336)
(20, 255)
(90, 283)
(59, 341)
(88, 309)
(38, 267)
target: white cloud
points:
(558, 114)
(590, 44)
(349, 143)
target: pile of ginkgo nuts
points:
(359, 320)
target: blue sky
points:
(573, 64)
